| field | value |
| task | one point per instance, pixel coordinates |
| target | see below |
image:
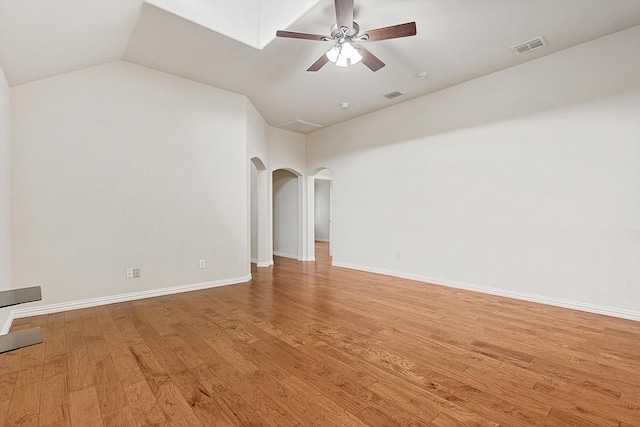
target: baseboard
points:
(574, 305)
(94, 302)
(7, 325)
(296, 257)
(323, 240)
(264, 264)
(254, 260)
(285, 255)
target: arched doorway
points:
(287, 224)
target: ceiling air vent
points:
(301, 126)
(525, 47)
(394, 94)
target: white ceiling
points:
(457, 40)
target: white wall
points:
(524, 183)
(254, 211)
(285, 214)
(120, 166)
(257, 135)
(5, 195)
(287, 150)
(321, 217)
(258, 148)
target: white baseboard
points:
(285, 255)
(322, 240)
(264, 264)
(93, 302)
(296, 257)
(574, 305)
(254, 260)
(7, 325)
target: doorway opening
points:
(287, 225)
(323, 210)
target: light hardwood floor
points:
(306, 344)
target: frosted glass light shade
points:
(333, 53)
(344, 55)
(351, 53)
(342, 61)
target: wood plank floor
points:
(306, 344)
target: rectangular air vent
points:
(525, 47)
(394, 94)
(301, 126)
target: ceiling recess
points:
(528, 46)
(394, 94)
(301, 126)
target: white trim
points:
(296, 257)
(284, 255)
(7, 325)
(265, 264)
(254, 260)
(322, 240)
(93, 302)
(574, 305)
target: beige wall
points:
(5, 196)
(287, 150)
(524, 183)
(259, 195)
(120, 166)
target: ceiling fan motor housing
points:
(337, 32)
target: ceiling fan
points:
(346, 32)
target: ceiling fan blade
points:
(319, 63)
(392, 32)
(344, 13)
(370, 60)
(305, 36)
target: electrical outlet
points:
(203, 263)
(129, 273)
(136, 273)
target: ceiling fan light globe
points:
(350, 54)
(347, 49)
(342, 60)
(333, 53)
(355, 57)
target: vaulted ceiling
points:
(229, 44)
